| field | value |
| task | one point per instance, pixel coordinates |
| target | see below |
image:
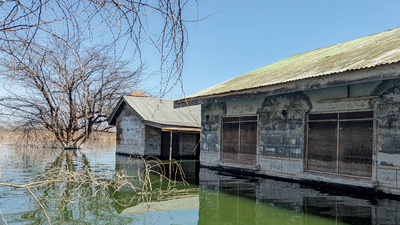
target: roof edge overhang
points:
(181, 129)
(377, 73)
(117, 110)
(114, 112)
(171, 127)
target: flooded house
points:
(331, 115)
(153, 127)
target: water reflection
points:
(259, 201)
(211, 197)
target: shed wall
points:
(133, 135)
(130, 132)
(153, 141)
(189, 142)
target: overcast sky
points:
(245, 35)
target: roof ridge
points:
(364, 52)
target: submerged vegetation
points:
(70, 179)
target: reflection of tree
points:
(84, 194)
(71, 190)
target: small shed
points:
(328, 115)
(151, 126)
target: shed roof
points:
(138, 94)
(366, 52)
(158, 112)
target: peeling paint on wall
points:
(211, 115)
(282, 129)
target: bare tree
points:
(68, 92)
(129, 24)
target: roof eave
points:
(110, 118)
(377, 73)
(114, 114)
(169, 125)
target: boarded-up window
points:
(239, 138)
(341, 143)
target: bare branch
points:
(128, 24)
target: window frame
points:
(240, 119)
(339, 120)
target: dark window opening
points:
(357, 115)
(324, 116)
(343, 146)
(165, 144)
(239, 138)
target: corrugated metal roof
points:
(370, 51)
(161, 111)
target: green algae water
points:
(210, 197)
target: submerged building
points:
(329, 115)
(152, 127)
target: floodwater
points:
(210, 197)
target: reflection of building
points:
(148, 125)
(266, 201)
(328, 115)
(182, 203)
(132, 166)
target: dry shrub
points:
(153, 181)
(45, 139)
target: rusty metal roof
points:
(159, 112)
(366, 52)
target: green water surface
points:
(209, 197)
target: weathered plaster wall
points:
(386, 157)
(211, 115)
(338, 99)
(387, 128)
(152, 141)
(130, 132)
(282, 128)
(188, 144)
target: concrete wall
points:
(188, 144)
(130, 132)
(211, 115)
(133, 136)
(281, 129)
(152, 141)
(282, 126)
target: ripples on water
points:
(211, 197)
